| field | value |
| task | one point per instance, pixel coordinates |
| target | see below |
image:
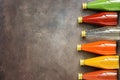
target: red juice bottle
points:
(103, 19)
(99, 75)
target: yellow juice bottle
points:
(104, 62)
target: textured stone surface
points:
(38, 39)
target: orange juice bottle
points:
(99, 75)
(100, 47)
(104, 62)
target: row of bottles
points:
(106, 40)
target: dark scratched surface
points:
(38, 39)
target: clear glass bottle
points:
(105, 33)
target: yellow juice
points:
(104, 62)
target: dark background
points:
(38, 39)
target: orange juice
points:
(105, 47)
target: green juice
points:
(106, 5)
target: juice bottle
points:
(99, 75)
(105, 47)
(105, 5)
(104, 62)
(103, 19)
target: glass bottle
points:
(99, 75)
(103, 19)
(105, 47)
(105, 5)
(104, 62)
(105, 33)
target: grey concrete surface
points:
(38, 39)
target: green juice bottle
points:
(105, 5)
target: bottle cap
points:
(79, 47)
(81, 62)
(84, 5)
(80, 19)
(80, 76)
(83, 33)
